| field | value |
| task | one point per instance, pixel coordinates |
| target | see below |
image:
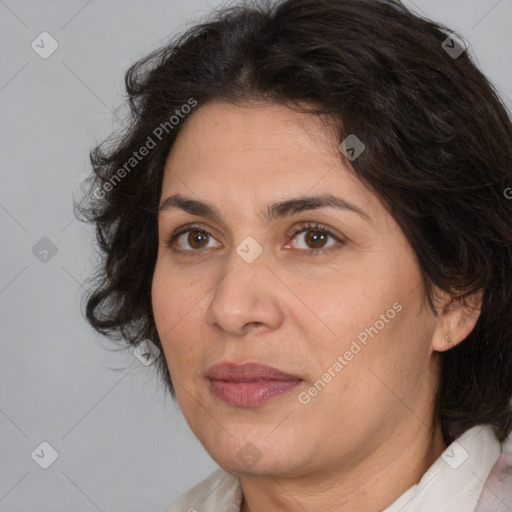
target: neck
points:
(374, 484)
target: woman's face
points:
(338, 305)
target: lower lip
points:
(250, 394)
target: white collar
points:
(457, 478)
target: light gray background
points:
(122, 443)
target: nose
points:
(246, 298)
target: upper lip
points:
(248, 372)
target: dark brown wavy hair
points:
(438, 153)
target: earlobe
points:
(455, 321)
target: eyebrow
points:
(273, 212)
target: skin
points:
(370, 433)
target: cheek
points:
(171, 295)
(168, 308)
(176, 303)
(369, 322)
(343, 308)
(163, 299)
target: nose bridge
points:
(243, 295)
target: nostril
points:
(252, 325)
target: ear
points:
(456, 319)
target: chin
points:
(255, 454)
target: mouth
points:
(250, 384)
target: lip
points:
(249, 384)
(248, 372)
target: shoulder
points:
(220, 491)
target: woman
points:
(307, 217)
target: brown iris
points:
(315, 239)
(197, 239)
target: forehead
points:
(261, 152)
(265, 131)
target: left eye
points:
(314, 238)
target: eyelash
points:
(308, 226)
